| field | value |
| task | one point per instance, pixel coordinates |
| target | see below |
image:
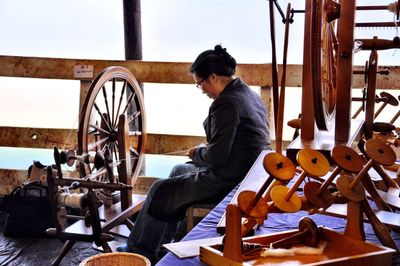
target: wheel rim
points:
(114, 91)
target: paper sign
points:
(83, 71)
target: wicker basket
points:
(117, 258)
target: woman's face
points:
(205, 85)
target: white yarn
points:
(283, 252)
(73, 200)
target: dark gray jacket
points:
(237, 130)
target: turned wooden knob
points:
(390, 98)
(295, 123)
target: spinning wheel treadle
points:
(114, 104)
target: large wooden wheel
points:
(113, 118)
(331, 51)
(324, 51)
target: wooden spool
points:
(314, 164)
(69, 157)
(346, 159)
(378, 152)
(354, 193)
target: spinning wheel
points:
(111, 141)
(113, 116)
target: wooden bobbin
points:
(69, 157)
(346, 159)
(378, 152)
(308, 235)
(314, 164)
(279, 168)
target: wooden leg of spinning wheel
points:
(129, 224)
(233, 236)
(355, 225)
(124, 154)
(370, 187)
(106, 247)
(65, 249)
(381, 231)
(389, 182)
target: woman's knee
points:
(181, 169)
(154, 187)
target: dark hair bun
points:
(229, 60)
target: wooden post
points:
(132, 30)
(133, 46)
(265, 94)
(307, 103)
(345, 70)
(233, 237)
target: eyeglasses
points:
(198, 85)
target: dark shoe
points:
(123, 248)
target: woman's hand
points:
(190, 152)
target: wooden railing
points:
(154, 72)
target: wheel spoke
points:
(133, 117)
(134, 151)
(98, 129)
(129, 101)
(91, 146)
(115, 151)
(113, 102)
(106, 102)
(120, 102)
(102, 117)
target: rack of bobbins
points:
(348, 183)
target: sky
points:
(175, 30)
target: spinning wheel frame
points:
(324, 47)
(124, 134)
(331, 49)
